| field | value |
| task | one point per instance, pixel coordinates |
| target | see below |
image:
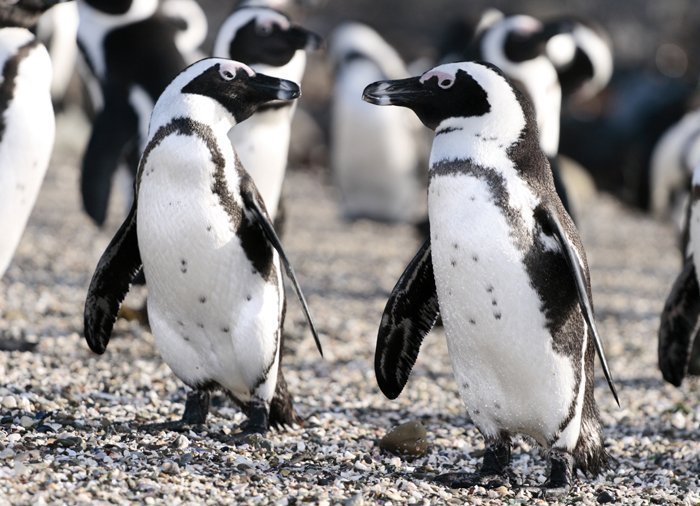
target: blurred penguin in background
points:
(266, 40)
(134, 49)
(375, 152)
(58, 29)
(27, 125)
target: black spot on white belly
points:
(248, 298)
(453, 262)
(208, 228)
(497, 316)
(186, 338)
(200, 325)
(475, 258)
(202, 299)
(472, 321)
(489, 289)
(494, 302)
(181, 324)
(183, 266)
(225, 330)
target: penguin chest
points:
(262, 144)
(213, 315)
(502, 352)
(26, 138)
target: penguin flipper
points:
(409, 314)
(114, 128)
(679, 321)
(253, 203)
(118, 265)
(551, 225)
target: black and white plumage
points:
(27, 125)
(581, 53)
(375, 153)
(209, 252)
(131, 48)
(267, 41)
(517, 45)
(679, 346)
(673, 159)
(510, 275)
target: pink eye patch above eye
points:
(445, 80)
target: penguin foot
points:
(195, 415)
(561, 474)
(481, 479)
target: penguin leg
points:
(196, 411)
(561, 473)
(493, 473)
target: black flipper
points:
(679, 321)
(255, 206)
(551, 225)
(409, 315)
(118, 265)
(114, 135)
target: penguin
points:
(679, 346)
(27, 125)
(267, 41)
(57, 29)
(505, 269)
(131, 48)
(581, 53)
(211, 257)
(675, 155)
(375, 153)
(517, 45)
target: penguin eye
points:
(227, 74)
(446, 83)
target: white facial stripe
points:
(600, 55)
(561, 49)
(234, 67)
(445, 79)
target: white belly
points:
(501, 350)
(213, 318)
(26, 147)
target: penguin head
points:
(112, 7)
(262, 36)
(218, 91)
(23, 13)
(353, 42)
(581, 53)
(471, 96)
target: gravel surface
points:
(69, 419)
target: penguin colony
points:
(206, 140)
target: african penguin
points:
(211, 257)
(516, 44)
(267, 41)
(675, 155)
(27, 125)
(375, 153)
(679, 346)
(581, 53)
(131, 49)
(505, 269)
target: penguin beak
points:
(266, 88)
(401, 92)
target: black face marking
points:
(256, 247)
(110, 6)
(520, 47)
(9, 75)
(574, 75)
(241, 94)
(273, 46)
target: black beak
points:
(271, 88)
(401, 92)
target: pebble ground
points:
(69, 419)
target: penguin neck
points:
(193, 107)
(481, 139)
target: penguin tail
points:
(282, 413)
